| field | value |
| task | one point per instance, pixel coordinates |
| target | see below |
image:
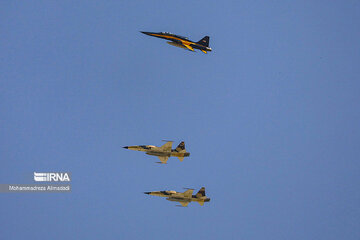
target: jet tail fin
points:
(201, 193)
(204, 41)
(180, 148)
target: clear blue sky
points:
(271, 118)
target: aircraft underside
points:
(173, 199)
(159, 154)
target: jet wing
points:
(163, 159)
(184, 204)
(188, 193)
(188, 47)
(204, 51)
(166, 147)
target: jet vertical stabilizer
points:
(204, 41)
(201, 193)
(181, 147)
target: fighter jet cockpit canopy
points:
(169, 33)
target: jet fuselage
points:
(156, 151)
(174, 196)
(180, 41)
(193, 199)
(177, 196)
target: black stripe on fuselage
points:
(165, 35)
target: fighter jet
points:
(163, 152)
(182, 42)
(183, 198)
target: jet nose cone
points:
(126, 147)
(147, 192)
(147, 33)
